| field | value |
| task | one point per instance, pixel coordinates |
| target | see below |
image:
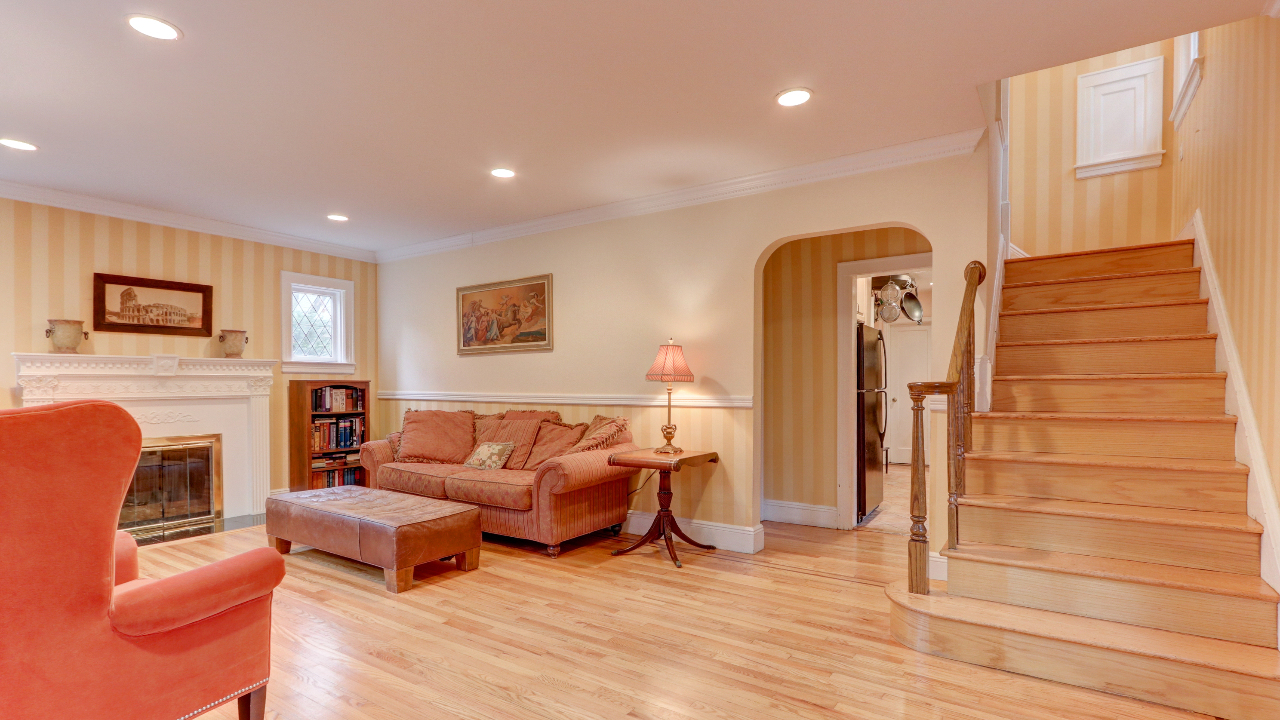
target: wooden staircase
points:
(1102, 537)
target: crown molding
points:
(1272, 9)
(693, 401)
(961, 143)
(138, 213)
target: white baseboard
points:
(937, 567)
(799, 514)
(1262, 502)
(1017, 252)
(735, 538)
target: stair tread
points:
(1237, 522)
(1234, 657)
(1120, 376)
(1125, 461)
(1103, 417)
(1170, 576)
(1092, 278)
(1091, 308)
(1095, 341)
(1098, 252)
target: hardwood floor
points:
(800, 630)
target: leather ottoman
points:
(394, 531)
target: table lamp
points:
(669, 367)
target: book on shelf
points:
(337, 399)
(337, 433)
(336, 478)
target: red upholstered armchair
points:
(80, 636)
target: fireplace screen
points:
(176, 489)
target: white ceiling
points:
(274, 114)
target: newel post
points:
(918, 547)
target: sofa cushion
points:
(520, 432)
(426, 479)
(533, 415)
(437, 436)
(554, 439)
(487, 427)
(511, 489)
(601, 433)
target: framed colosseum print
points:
(159, 307)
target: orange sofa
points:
(80, 635)
(566, 497)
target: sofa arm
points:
(373, 455)
(126, 557)
(147, 607)
(579, 470)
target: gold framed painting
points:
(511, 316)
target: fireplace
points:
(176, 489)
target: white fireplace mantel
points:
(173, 396)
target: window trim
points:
(344, 324)
(1188, 67)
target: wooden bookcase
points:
(304, 416)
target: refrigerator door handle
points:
(884, 364)
(882, 417)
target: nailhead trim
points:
(216, 703)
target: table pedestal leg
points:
(664, 524)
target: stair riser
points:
(1132, 438)
(1209, 492)
(1090, 324)
(1152, 356)
(1154, 288)
(1171, 257)
(1223, 617)
(1166, 682)
(1194, 547)
(1156, 396)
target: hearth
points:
(176, 489)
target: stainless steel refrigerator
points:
(871, 419)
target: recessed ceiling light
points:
(154, 27)
(17, 144)
(503, 173)
(794, 96)
(339, 218)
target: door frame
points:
(889, 332)
(847, 274)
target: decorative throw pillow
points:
(521, 433)
(554, 439)
(487, 427)
(601, 434)
(437, 436)
(394, 439)
(490, 455)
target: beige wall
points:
(695, 273)
(799, 294)
(1053, 212)
(1230, 172)
(48, 257)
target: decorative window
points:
(1120, 119)
(1187, 67)
(317, 314)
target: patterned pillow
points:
(521, 433)
(599, 435)
(554, 439)
(437, 436)
(487, 427)
(490, 455)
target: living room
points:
(448, 232)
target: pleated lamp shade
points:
(670, 365)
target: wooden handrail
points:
(958, 387)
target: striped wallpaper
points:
(48, 256)
(799, 402)
(1050, 210)
(1230, 171)
(714, 492)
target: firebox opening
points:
(176, 490)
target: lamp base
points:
(669, 433)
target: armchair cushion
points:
(126, 557)
(147, 607)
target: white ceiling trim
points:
(961, 143)
(691, 401)
(126, 211)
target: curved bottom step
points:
(1226, 679)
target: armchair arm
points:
(374, 454)
(126, 557)
(146, 607)
(579, 470)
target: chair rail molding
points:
(678, 400)
(203, 396)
